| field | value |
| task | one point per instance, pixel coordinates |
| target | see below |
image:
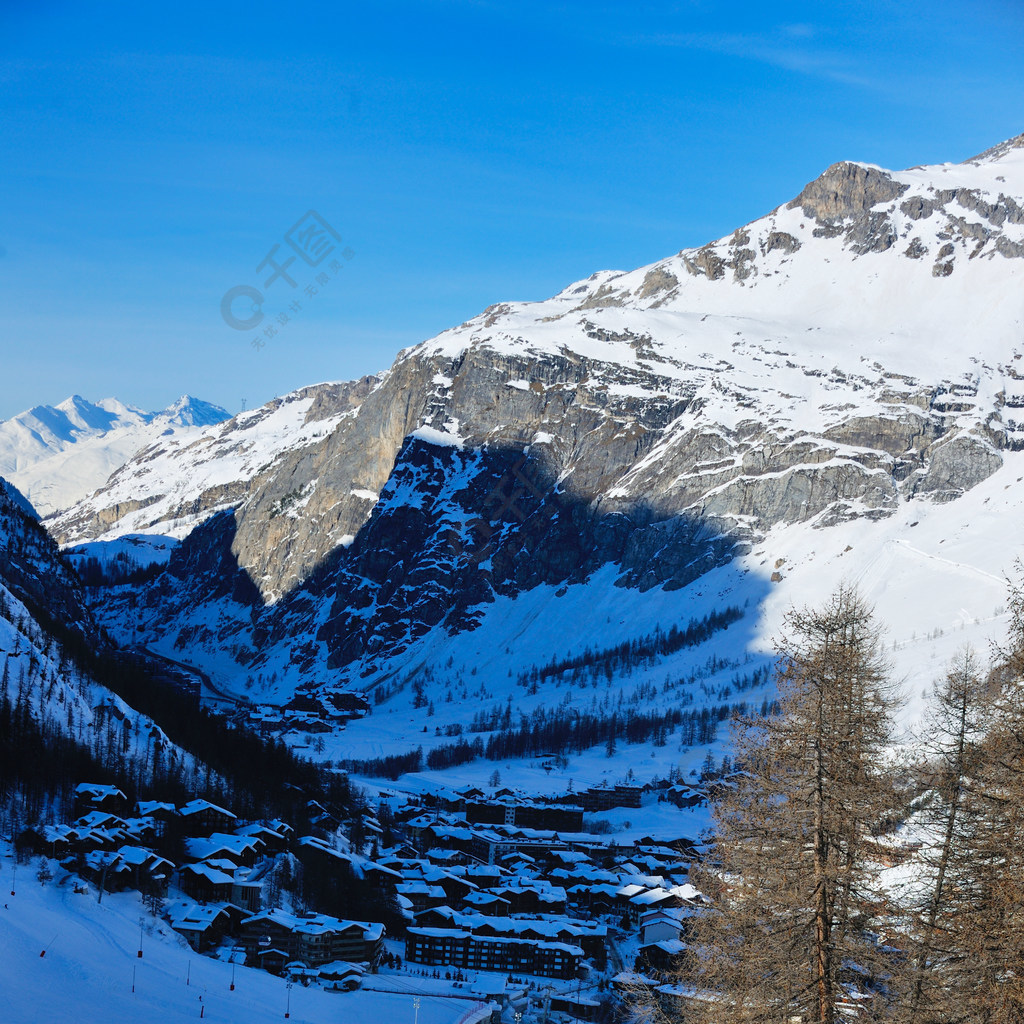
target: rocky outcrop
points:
(956, 464)
(847, 191)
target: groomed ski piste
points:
(69, 957)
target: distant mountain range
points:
(56, 455)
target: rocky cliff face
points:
(855, 350)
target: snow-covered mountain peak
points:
(997, 152)
(856, 288)
(193, 412)
(58, 454)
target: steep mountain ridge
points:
(52, 702)
(853, 358)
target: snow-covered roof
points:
(203, 848)
(197, 806)
(98, 791)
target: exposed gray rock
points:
(956, 464)
(847, 191)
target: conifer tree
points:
(792, 930)
(949, 815)
(984, 923)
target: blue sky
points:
(465, 153)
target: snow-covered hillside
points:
(74, 958)
(56, 455)
(830, 392)
(44, 626)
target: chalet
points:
(515, 863)
(200, 817)
(675, 898)
(483, 875)
(202, 926)
(282, 828)
(671, 922)
(421, 895)
(298, 971)
(678, 1001)
(342, 976)
(206, 883)
(656, 925)
(631, 981)
(247, 895)
(585, 874)
(651, 899)
(142, 830)
(313, 939)
(375, 874)
(53, 840)
(147, 870)
(92, 796)
(537, 897)
(107, 870)
(663, 955)
(446, 858)
(597, 897)
(685, 796)
(83, 839)
(319, 815)
(304, 704)
(440, 917)
(162, 815)
(272, 960)
(273, 841)
(347, 705)
(100, 820)
(446, 836)
(456, 887)
(571, 857)
(487, 903)
(578, 1007)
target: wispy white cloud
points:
(787, 49)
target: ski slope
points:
(91, 964)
